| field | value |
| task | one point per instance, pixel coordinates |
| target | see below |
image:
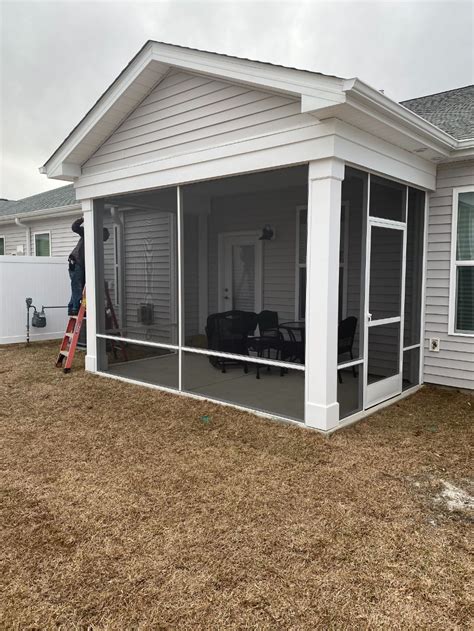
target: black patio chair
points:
(227, 332)
(345, 341)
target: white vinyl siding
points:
(186, 113)
(63, 240)
(14, 236)
(453, 365)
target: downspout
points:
(28, 235)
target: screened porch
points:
(203, 288)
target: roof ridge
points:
(258, 61)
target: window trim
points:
(2, 237)
(40, 232)
(455, 264)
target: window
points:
(2, 246)
(462, 263)
(42, 244)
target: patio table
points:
(296, 332)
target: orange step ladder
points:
(67, 349)
(71, 336)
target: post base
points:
(322, 417)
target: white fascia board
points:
(288, 81)
(57, 167)
(63, 211)
(464, 151)
(323, 91)
(373, 101)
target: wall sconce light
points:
(268, 233)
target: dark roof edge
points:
(416, 98)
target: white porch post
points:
(322, 269)
(89, 256)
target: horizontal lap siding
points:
(155, 283)
(63, 240)
(14, 236)
(187, 113)
(453, 365)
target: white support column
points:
(90, 263)
(322, 269)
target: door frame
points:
(390, 386)
(221, 239)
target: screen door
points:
(384, 321)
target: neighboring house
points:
(39, 225)
(314, 201)
(35, 239)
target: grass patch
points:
(125, 507)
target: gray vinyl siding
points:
(453, 365)
(155, 283)
(63, 239)
(187, 113)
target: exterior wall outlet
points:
(434, 344)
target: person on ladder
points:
(77, 272)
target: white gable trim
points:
(323, 96)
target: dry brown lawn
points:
(123, 509)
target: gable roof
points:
(452, 110)
(323, 96)
(56, 198)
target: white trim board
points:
(319, 94)
(268, 151)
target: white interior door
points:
(240, 272)
(384, 321)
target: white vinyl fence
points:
(46, 281)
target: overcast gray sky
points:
(58, 57)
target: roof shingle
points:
(451, 111)
(55, 198)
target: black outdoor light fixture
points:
(268, 233)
